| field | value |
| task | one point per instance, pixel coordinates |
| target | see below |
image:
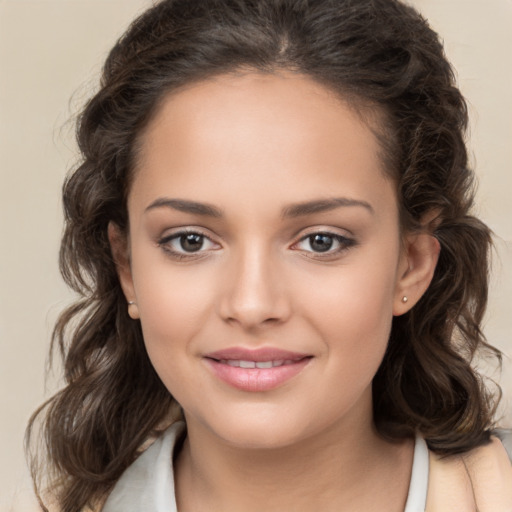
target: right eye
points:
(186, 243)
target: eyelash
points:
(344, 243)
(165, 243)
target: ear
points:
(121, 254)
(416, 269)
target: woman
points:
(272, 228)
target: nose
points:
(254, 291)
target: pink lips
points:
(256, 370)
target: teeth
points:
(264, 364)
(247, 364)
(256, 364)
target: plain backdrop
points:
(50, 55)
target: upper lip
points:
(257, 355)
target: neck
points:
(343, 468)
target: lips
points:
(256, 370)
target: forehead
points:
(282, 133)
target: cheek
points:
(172, 306)
(353, 322)
(352, 310)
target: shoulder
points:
(490, 470)
(480, 479)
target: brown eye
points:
(326, 243)
(191, 242)
(187, 243)
(321, 242)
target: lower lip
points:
(256, 379)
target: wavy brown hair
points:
(383, 58)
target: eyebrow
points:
(291, 211)
(323, 205)
(185, 206)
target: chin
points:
(259, 430)
(257, 438)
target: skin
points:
(251, 145)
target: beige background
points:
(51, 51)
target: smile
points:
(256, 370)
(256, 364)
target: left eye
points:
(324, 242)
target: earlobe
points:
(120, 252)
(415, 273)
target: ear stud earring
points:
(404, 299)
(133, 310)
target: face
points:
(265, 257)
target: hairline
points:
(375, 117)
